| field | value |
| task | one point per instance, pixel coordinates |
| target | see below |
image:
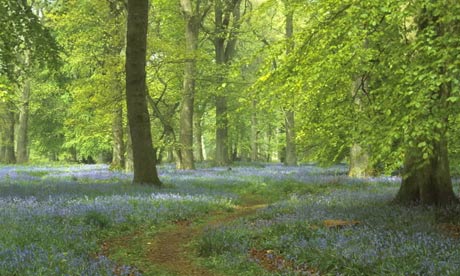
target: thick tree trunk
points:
(22, 143)
(427, 181)
(192, 19)
(118, 145)
(129, 163)
(145, 171)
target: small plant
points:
(96, 218)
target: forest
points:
(229, 137)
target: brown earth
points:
(169, 250)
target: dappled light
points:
(229, 137)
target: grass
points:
(55, 219)
(390, 239)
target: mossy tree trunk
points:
(426, 178)
(360, 159)
(427, 181)
(360, 165)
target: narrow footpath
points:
(168, 252)
(170, 249)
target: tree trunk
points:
(192, 21)
(222, 154)
(10, 157)
(145, 171)
(2, 145)
(129, 163)
(221, 157)
(225, 48)
(427, 181)
(289, 117)
(22, 143)
(199, 136)
(118, 145)
(254, 133)
(291, 155)
(359, 162)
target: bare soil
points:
(169, 250)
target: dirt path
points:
(169, 250)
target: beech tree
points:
(289, 115)
(192, 12)
(227, 22)
(407, 103)
(145, 171)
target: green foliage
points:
(23, 32)
(91, 32)
(371, 73)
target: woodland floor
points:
(169, 251)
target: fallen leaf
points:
(336, 223)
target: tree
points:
(405, 111)
(427, 177)
(23, 125)
(192, 16)
(23, 32)
(291, 155)
(227, 23)
(145, 171)
(24, 44)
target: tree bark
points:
(10, 157)
(192, 24)
(291, 155)
(2, 145)
(225, 48)
(129, 163)
(222, 153)
(359, 162)
(427, 181)
(198, 132)
(289, 117)
(22, 143)
(145, 171)
(118, 145)
(254, 133)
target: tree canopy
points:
(370, 83)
